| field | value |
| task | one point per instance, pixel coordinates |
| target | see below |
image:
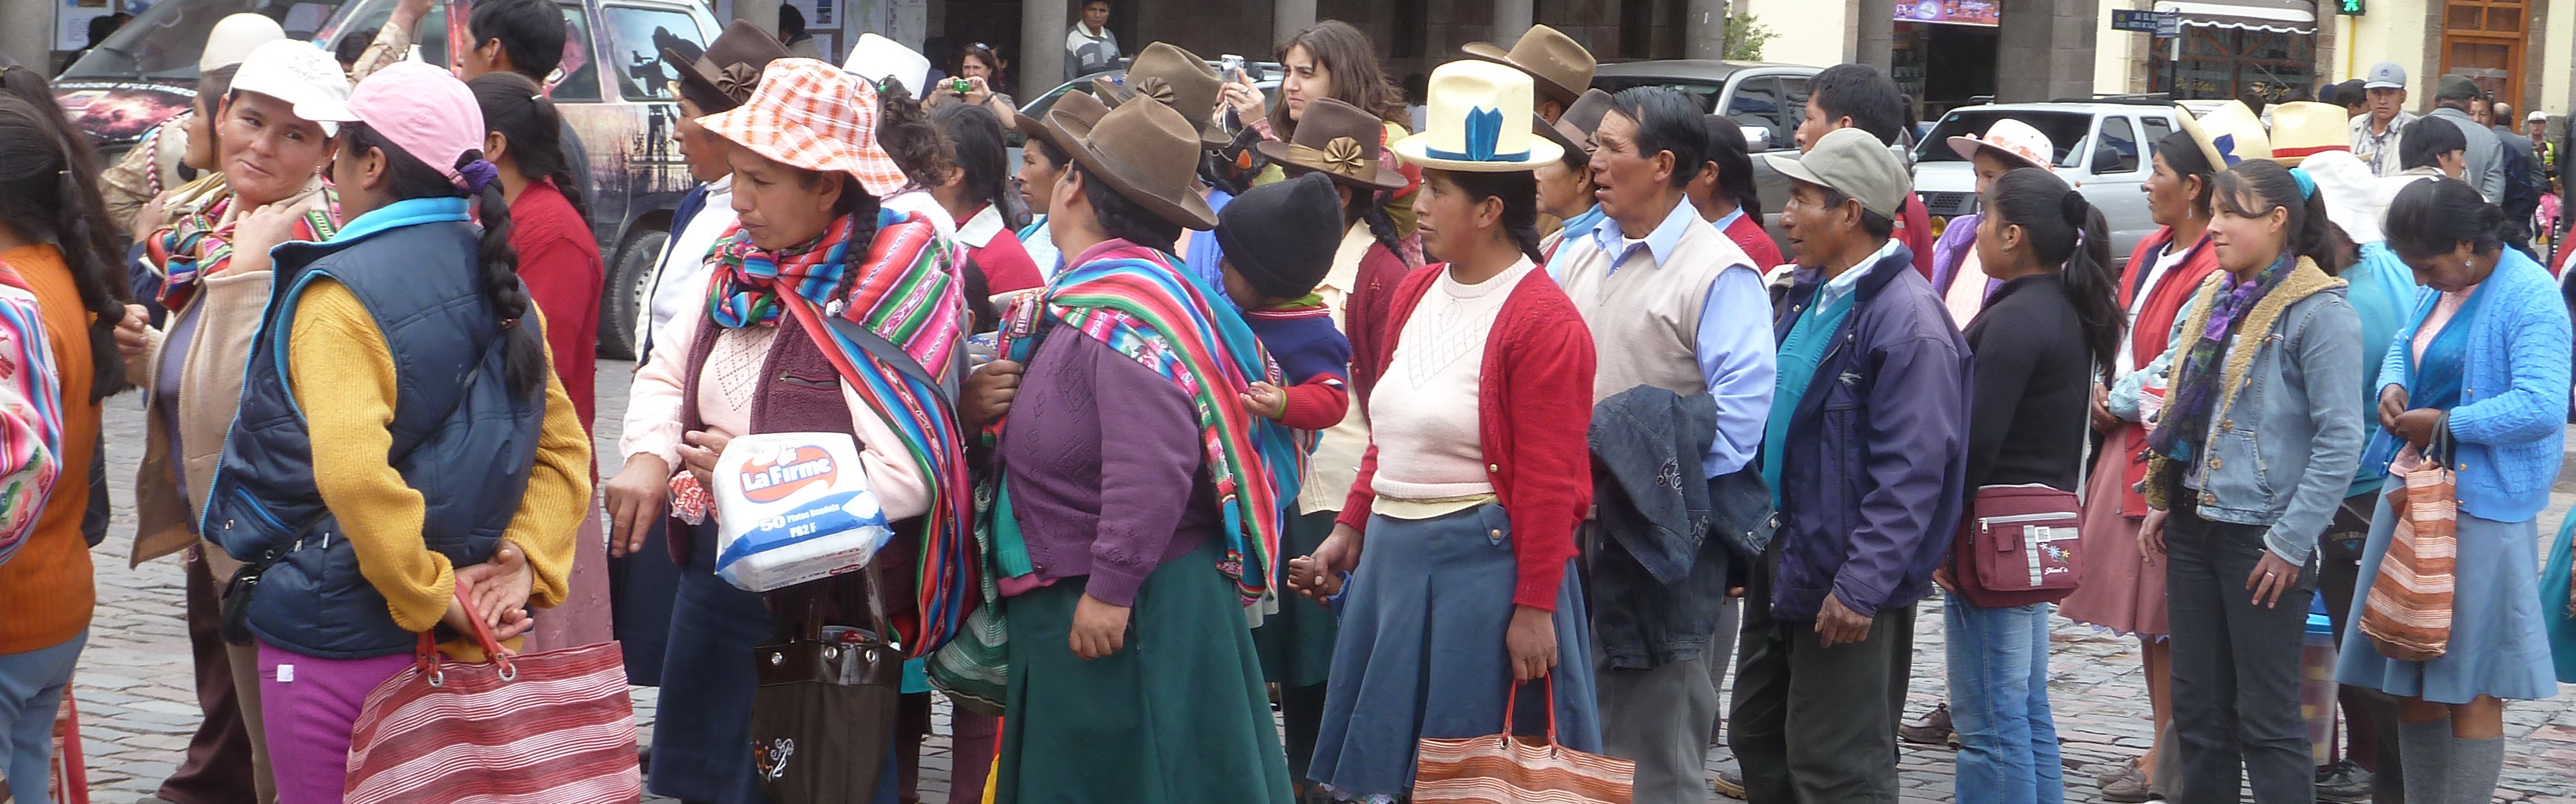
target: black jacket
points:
(2032, 380)
(1658, 578)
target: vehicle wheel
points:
(629, 279)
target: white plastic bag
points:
(793, 507)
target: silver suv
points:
(2104, 148)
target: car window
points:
(1793, 107)
(636, 37)
(1758, 103)
(577, 78)
(165, 40)
(2157, 129)
(1702, 93)
(2117, 138)
(2065, 131)
(432, 32)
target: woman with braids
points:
(2246, 465)
(1725, 195)
(977, 195)
(2037, 344)
(60, 303)
(1457, 533)
(755, 356)
(397, 397)
(549, 225)
(1333, 60)
(2477, 380)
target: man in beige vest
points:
(1672, 304)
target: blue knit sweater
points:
(2510, 423)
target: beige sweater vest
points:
(1645, 317)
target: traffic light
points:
(2349, 7)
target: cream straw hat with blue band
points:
(1479, 121)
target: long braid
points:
(524, 358)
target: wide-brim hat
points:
(2301, 129)
(1178, 78)
(1478, 121)
(1562, 68)
(812, 116)
(2018, 143)
(1081, 105)
(1575, 129)
(2227, 135)
(878, 59)
(731, 65)
(2350, 190)
(234, 37)
(1339, 141)
(1146, 152)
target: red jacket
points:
(2153, 332)
(1534, 400)
(1748, 234)
(1914, 228)
(559, 262)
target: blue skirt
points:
(1420, 652)
(2497, 643)
(702, 728)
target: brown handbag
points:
(1509, 769)
(823, 718)
(2408, 613)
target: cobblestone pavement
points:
(138, 705)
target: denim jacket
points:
(2287, 431)
(1657, 552)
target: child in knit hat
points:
(1275, 254)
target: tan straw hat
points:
(1479, 121)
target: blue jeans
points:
(31, 690)
(1999, 704)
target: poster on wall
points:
(1950, 12)
(71, 23)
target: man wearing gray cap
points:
(2374, 135)
(1865, 452)
(2451, 97)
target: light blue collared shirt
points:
(1849, 281)
(1577, 226)
(1729, 220)
(1735, 349)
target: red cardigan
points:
(2153, 332)
(559, 263)
(1534, 397)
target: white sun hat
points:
(295, 72)
(234, 37)
(1479, 121)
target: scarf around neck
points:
(748, 278)
(199, 244)
(2186, 420)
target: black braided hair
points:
(49, 190)
(513, 106)
(524, 350)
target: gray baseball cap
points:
(2385, 75)
(1852, 162)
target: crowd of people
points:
(1554, 421)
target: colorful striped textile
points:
(2408, 612)
(200, 243)
(31, 414)
(1137, 301)
(907, 290)
(540, 728)
(1503, 769)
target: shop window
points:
(2483, 39)
(2226, 62)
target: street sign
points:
(2168, 24)
(2137, 21)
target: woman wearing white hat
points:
(154, 163)
(2007, 145)
(1459, 532)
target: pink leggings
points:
(310, 714)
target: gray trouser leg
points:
(1660, 718)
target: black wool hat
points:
(1276, 234)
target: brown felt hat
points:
(1178, 78)
(732, 63)
(1080, 104)
(1575, 129)
(1146, 152)
(1340, 141)
(1562, 68)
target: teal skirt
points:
(2555, 606)
(1179, 715)
(1296, 642)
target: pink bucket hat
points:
(813, 116)
(420, 109)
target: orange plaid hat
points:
(810, 115)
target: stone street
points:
(138, 705)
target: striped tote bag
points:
(1508, 769)
(2408, 613)
(541, 728)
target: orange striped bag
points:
(541, 728)
(1508, 769)
(2408, 613)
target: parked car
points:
(2105, 149)
(1768, 100)
(613, 91)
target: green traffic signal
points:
(2352, 7)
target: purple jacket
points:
(1868, 512)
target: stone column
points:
(2045, 50)
(1288, 17)
(1043, 24)
(1704, 30)
(1513, 18)
(1874, 42)
(29, 36)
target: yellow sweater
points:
(343, 378)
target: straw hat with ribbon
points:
(2018, 143)
(1146, 152)
(731, 65)
(2301, 129)
(1177, 78)
(1081, 105)
(812, 116)
(1338, 140)
(1479, 121)
(2228, 135)
(1573, 131)
(1563, 69)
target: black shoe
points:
(1933, 730)
(2343, 782)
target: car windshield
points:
(2065, 130)
(166, 39)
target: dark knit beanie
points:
(1281, 236)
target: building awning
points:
(2277, 16)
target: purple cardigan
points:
(1104, 465)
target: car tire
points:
(630, 277)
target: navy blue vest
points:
(459, 437)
